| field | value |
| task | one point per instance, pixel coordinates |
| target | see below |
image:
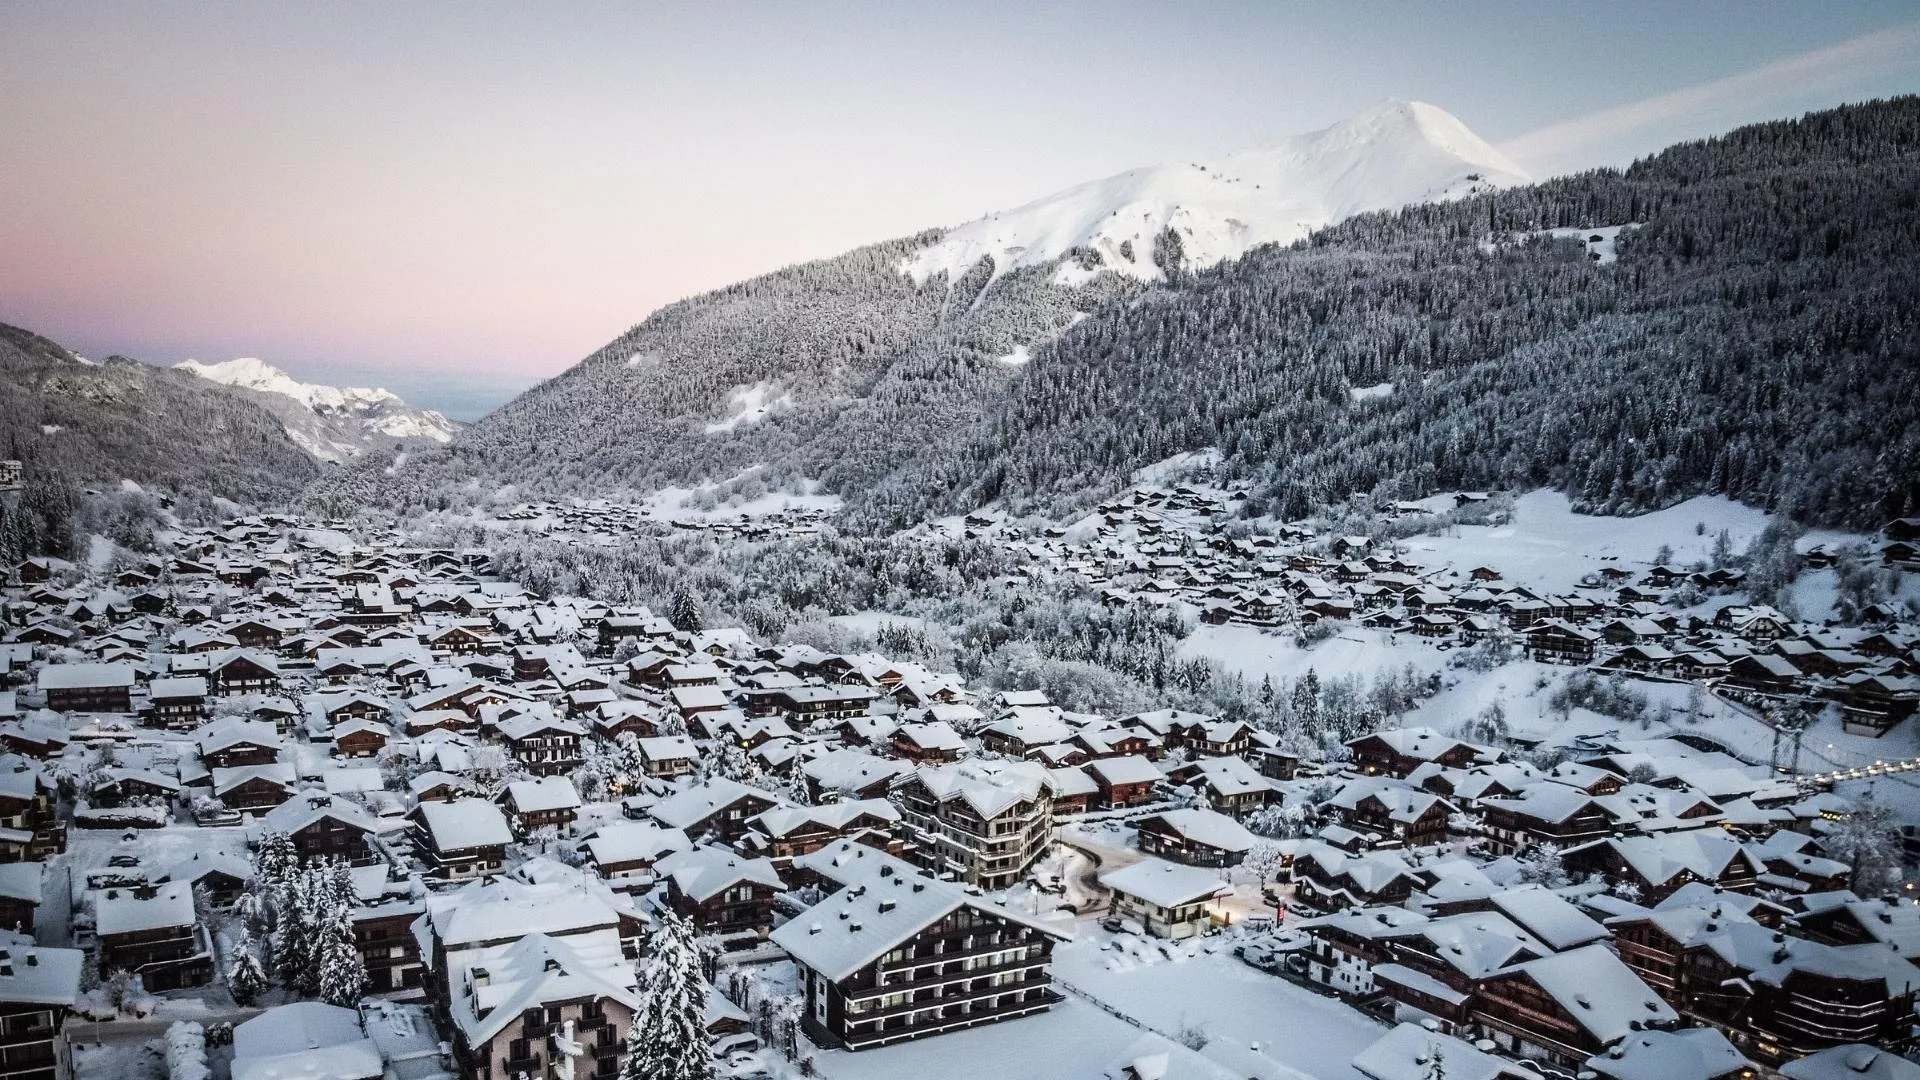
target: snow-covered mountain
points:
(332, 423)
(1392, 155)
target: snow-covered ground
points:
(746, 406)
(1548, 546)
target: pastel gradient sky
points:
(455, 200)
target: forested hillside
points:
(845, 357)
(100, 424)
(1755, 336)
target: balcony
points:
(925, 958)
(949, 1002)
(943, 979)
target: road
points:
(117, 1032)
(53, 919)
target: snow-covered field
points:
(1548, 546)
(748, 405)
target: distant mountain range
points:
(1383, 309)
(101, 423)
(331, 423)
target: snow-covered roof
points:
(535, 970)
(304, 1040)
(32, 975)
(86, 676)
(1548, 916)
(1163, 883)
(464, 823)
(1208, 827)
(543, 793)
(1599, 992)
(1411, 1052)
(507, 908)
(702, 873)
(125, 911)
(1701, 1053)
(863, 921)
(1852, 1061)
(635, 841)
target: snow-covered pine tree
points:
(342, 975)
(247, 976)
(687, 612)
(668, 1039)
(297, 943)
(275, 864)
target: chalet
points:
(1567, 1007)
(1167, 899)
(177, 704)
(1344, 949)
(1275, 763)
(1227, 784)
(325, 828)
(30, 829)
(1871, 704)
(1658, 865)
(547, 802)
(546, 745)
(1398, 752)
(720, 891)
(88, 687)
(893, 955)
(1124, 781)
(718, 809)
(1413, 817)
(787, 832)
(253, 789)
(1754, 623)
(1195, 837)
(21, 887)
(539, 1005)
(1769, 675)
(1556, 641)
(360, 738)
(233, 743)
(151, 931)
(624, 853)
(1780, 997)
(38, 988)
(1329, 879)
(1544, 815)
(667, 756)
(927, 743)
(219, 876)
(243, 671)
(462, 838)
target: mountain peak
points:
(1385, 157)
(330, 422)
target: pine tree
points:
(342, 975)
(247, 977)
(668, 1039)
(687, 613)
(297, 944)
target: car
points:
(728, 1046)
(1112, 924)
